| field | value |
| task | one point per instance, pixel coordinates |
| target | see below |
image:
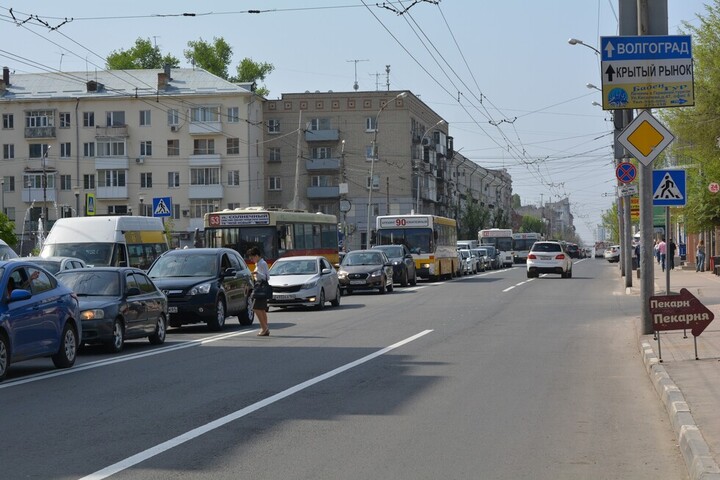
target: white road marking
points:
(196, 432)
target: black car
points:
(204, 285)
(117, 304)
(573, 250)
(403, 263)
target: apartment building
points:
(341, 152)
(124, 139)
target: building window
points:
(88, 119)
(176, 211)
(274, 154)
(117, 209)
(8, 121)
(205, 114)
(112, 178)
(10, 213)
(64, 119)
(375, 183)
(273, 126)
(368, 153)
(37, 149)
(39, 118)
(144, 118)
(198, 208)
(111, 148)
(89, 182)
(173, 117)
(146, 148)
(319, 153)
(233, 115)
(89, 149)
(320, 124)
(173, 148)
(65, 150)
(234, 177)
(8, 151)
(115, 119)
(274, 183)
(65, 182)
(9, 183)
(233, 146)
(320, 181)
(173, 179)
(203, 146)
(35, 180)
(370, 125)
(146, 180)
(205, 176)
(233, 205)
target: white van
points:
(107, 240)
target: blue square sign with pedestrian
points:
(669, 188)
(162, 207)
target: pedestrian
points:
(671, 254)
(662, 250)
(260, 275)
(656, 251)
(637, 253)
(700, 257)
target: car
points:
(57, 264)
(493, 256)
(204, 285)
(547, 256)
(6, 252)
(612, 253)
(365, 270)
(117, 304)
(39, 317)
(307, 281)
(482, 254)
(404, 271)
(469, 262)
(573, 250)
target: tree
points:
(142, 55)
(472, 220)
(213, 57)
(250, 71)
(7, 230)
(610, 222)
(515, 201)
(532, 224)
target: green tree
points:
(472, 220)
(142, 55)
(213, 57)
(610, 222)
(251, 71)
(7, 230)
(530, 224)
(515, 201)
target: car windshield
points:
(92, 253)
(352, 259)
(546, 247)
(186, 265)
(392, 250)
(294, 267)
(90, 282)
(7, 252)
(482, 252)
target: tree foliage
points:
(530, 224)
(213, 57)
(7, 230)
(472, 220)
(611, 223)
(251, 71)
(142, 55)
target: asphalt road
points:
(490, 376)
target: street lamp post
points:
(417, 199)
(77, 201)
(142, 204)
(372, 163)
(2, 187)
(43, 212)
(575, 41)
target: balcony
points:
(36, 164)
(112, 131)
(317, 164)
(39, 132)
(205, 160)
(38, 195)
(330, 135)
(323, 192)
(112, 193)
(205, 191)
(112, 163)
(204, 128)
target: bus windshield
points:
(418, 240)
(523, 244)
(503, 244)
(242, 239)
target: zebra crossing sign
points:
(162, 207)
(669, 188)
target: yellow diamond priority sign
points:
(645, 138)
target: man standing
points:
(671, 254)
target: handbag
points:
(263, 290)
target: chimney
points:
(166, 69)
(163, 79)
(6, 76)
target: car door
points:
(326, 278)
(135, 311)
(232, 284)
(152, 302)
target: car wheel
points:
(65, 357)
(569, 274)
(218, 321)
(336, 301)
(158, 336)
(321, 301)
(391, 287)
(529, 275)
(4, 356)
(383, 287)
(404, 279)
(118, 337)
(414, 279)
(247, 314)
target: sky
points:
(502, 73)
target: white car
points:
(549, 257)
(612, 254)
(469, 262)
(308, 281)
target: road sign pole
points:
(668, 260)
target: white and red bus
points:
(502, 240)
(522, 243)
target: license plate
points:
(357, 282)
(172, 309)
(283, 297)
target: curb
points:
(694, 448)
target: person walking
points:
(662, 250)
(260, 275)
(700, 257)
(671, 247)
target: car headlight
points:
(94, 314)
(311, 284)
(376, 273)
(342, 274)
(396, 262)
(202, 289)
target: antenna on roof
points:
(356, 86)
(387, 73)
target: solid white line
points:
(196, 432)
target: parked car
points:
(549, 257)
(57, 264)
(612, 253)
(308, 281)
(484, 260)
(29, 328)
(493, 255)
(469, 262)
(404, 271)
(365, 269)
(117, 304)
(6, 252)
(204, 285)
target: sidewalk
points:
(689, 388)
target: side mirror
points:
(228, 272)
(133, 291)
(19, 294)
(325, 271)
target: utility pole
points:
(296, 192)
(44, 211)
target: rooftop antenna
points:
(62, 54)
(387, 76)
(356, 86)
(377, 86)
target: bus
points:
(276, 232)
(522, 243)
(432, 240)
(502, 240)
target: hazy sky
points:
(501, 73)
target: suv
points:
(204, 285)
(404, 271)
(549, 257)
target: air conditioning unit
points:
(174, 128)
(139, 160)
(426, 142)
(186, 213)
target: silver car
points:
(308, 281)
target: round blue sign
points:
(625, 172)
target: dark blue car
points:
(38, 317)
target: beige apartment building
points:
(123, 139)
(320, 149)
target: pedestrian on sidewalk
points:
(656, 252)
(700, 257)
(671, 247)
(662, 250)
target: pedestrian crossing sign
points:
(162, 207)
(669, 188)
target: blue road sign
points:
(625, 172)
(646, 47)
(669, 188)
(162, 207)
